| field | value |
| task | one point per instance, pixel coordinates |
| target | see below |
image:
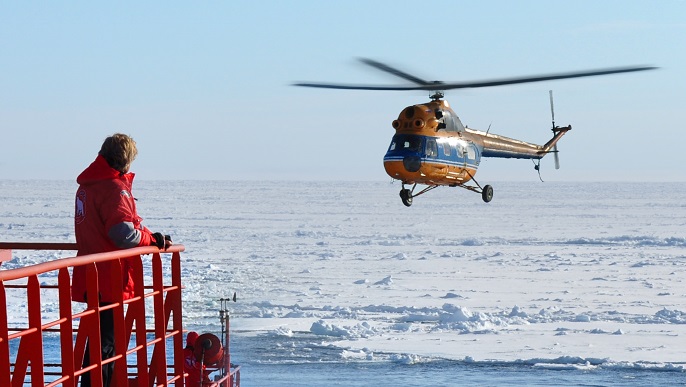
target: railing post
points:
(93, 325)
(175, 298)
(135, 314)
(66, 330)
(159, 363)
(4, 341)
(35, 339)
(119, 372)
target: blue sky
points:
(204, 88)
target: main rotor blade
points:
(439, 86)
(394, 71)
(548, 77)
(362, 87)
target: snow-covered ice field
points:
(553, 276)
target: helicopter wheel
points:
(406, 197)
(487, 193)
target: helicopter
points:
(432, 147)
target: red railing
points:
(22, 345)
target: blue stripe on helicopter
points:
(426, 160)
(451, 163)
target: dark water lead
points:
(307, 361)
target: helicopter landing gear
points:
(487, 193)
(406, 197)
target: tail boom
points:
(495, 145)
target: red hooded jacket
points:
(105, 219)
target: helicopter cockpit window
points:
(406, 143)
(411, 144)
(431, 148)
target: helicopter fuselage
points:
(432, 147)
(432, 160)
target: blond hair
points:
(119, 150)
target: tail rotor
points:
(552, 113)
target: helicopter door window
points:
(471, 152)
(461, 152)
(446, 148)
(431, 148)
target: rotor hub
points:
(437, 95)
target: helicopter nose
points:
(411, 163)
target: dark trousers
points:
(107, 341)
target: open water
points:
(264, 362)
(269, 361)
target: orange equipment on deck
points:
(144, 356)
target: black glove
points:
(159, 240)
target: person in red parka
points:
(105, 219)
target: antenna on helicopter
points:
(552, 113)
